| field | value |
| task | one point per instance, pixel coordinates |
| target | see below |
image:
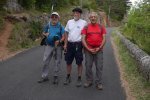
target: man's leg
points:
(99, 66)
(79, 80)
(58, 56)
(79, 59)
(69, 68)
(68, 78)
(80, 67)
(48, 52)
(88, 64)
(69, 56)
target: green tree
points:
(28, 4)
(2, 3)
(137, 28)
(115, 8)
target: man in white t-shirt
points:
(73, 45)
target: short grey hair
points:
(93, 14)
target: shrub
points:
(137, 28)
(35, 28)
(1, 23)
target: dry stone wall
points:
(141, 57)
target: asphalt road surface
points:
(19, 75)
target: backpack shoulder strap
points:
(100, 26)
(49, 24)
(60, 29)
(86, 27)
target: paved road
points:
(19, 75)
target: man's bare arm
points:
(104, 41)
(84, 42)
(45, 34)
(65, 40)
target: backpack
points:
(43, 42)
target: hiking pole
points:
(55, 38)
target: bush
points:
(2, 15)
(35, 29)
(137, 28)
(1, 23)
(24, 34)
(19, 37)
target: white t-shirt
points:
(74, 29)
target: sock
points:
(68, 75)
(55, 76)
(79, 77)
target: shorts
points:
(74, 50)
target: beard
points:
(76, 18)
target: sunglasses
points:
(54, 16)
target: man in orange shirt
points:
(93, 39)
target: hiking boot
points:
(67, 81)
(43, 80)
(55, 81)
(99, 86)
(87, 84)
(79, 83)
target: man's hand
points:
(46, 34)
(91, 50)
(65, 48)
(56, 43)
(94, 50)
(98, 49)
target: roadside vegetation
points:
(137, 28)
(24, 35)
(27, 34)
(2, 14)
(1, 23)
(115, 9)
(139, 87)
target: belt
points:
(74, 42)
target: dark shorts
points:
(74, 50)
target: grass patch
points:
(139, 87)
(20, 37)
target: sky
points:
(133, 1)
